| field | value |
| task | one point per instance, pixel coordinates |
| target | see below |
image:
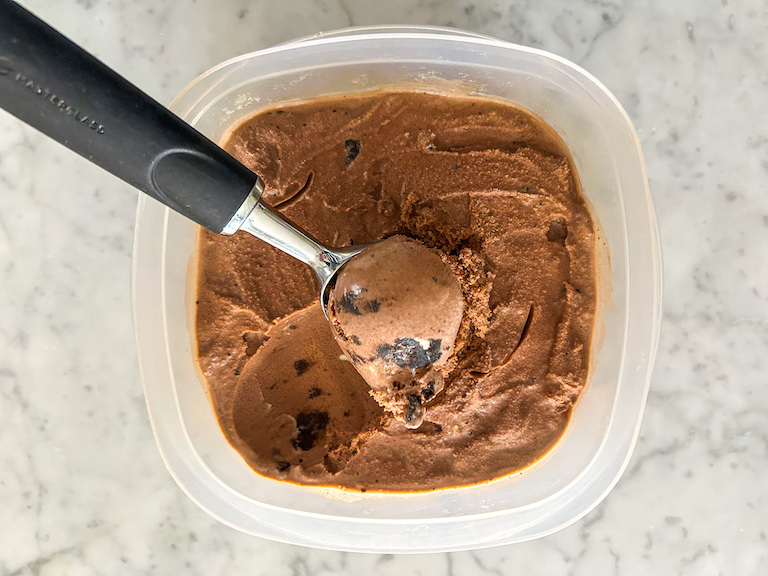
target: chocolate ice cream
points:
(295, 403)
(485, 184)
(396, 310)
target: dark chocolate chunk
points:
(310, 426)
(413, 409)
(314, 392)
(352, 303)
(434, 351)
(348, 303)
(282, 465)
(407, 352)
(428, 391)
(352, 148)
(300, 366)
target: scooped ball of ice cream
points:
(395, 311)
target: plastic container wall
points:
(554, 492)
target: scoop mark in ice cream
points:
(294, 197)
(410, 353)
(523, 334)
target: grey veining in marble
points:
(83, 490)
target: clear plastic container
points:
(594, 451)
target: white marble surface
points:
(82, 488)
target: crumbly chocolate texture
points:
(485, 183)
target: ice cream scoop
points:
(395, 310)
(58, 88)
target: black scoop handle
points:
(57, 87)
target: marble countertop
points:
(82, 487)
